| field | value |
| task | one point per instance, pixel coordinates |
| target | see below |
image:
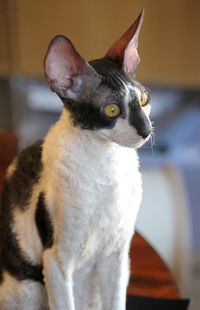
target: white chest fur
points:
(93, 190)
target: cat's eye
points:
(144, 99)
(112, 110)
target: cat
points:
(70, 201)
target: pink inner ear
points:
(131, 57)
(62, 63)
(124, 51)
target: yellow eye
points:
(112, 110)
(144, 99)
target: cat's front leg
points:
(113, 272)
(58, 282)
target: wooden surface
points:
(149, 275)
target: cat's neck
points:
(66, 131)
(70, 152)
(65, 139)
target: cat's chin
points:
(125, 141)
(132, 145)
(140, 144)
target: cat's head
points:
(102, 95)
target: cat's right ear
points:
(66, 71)
(124, 51)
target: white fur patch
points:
(96, 188)
(11, 169)
(25, 295)
(27, 235)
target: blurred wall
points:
(169, 42)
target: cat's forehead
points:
(117, 82)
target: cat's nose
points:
(146, 132)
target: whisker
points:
(152, 140)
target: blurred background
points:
(169, 49)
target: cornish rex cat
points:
(70, 202)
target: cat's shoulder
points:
(29, 160)
(23, 173)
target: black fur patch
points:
(16, 193)
(112, 74)
(138, 119)
(12, 259)
(26, 174)
(89, 116)
(43, 222)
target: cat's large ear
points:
(66, 71)
(124, 50)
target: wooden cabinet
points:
(169, 43)
(4, 58)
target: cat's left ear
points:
(124, 50)
(67, 73)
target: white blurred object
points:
(165, 222)
(40, 98)
(170, 100)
